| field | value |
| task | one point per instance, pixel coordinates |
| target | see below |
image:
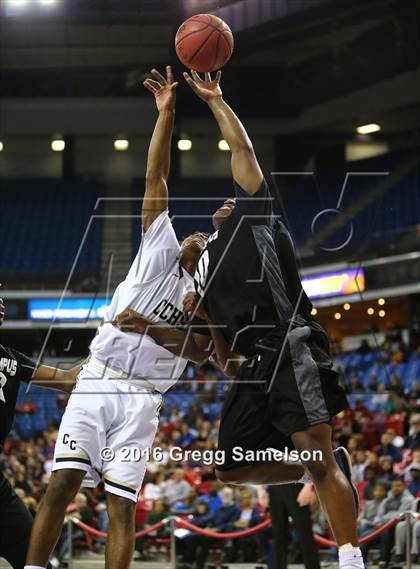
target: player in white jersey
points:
(113, 413)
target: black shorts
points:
(15, 526)
(286, 387)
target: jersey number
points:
(3, 381)
(202, 271)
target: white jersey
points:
(155, 287)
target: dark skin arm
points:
(228, 362)
(159, 157)
(245, 168)
(47, 376)
(194, 347)
(56, 378)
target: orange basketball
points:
(204, 43)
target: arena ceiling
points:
(283, 65)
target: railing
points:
(175, 521)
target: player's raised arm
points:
(158, 161)
(245, 168)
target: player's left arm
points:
(56, 378)
(184, 343)
(158, 160)
(228, 362)
(246, 170)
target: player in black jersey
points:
(285, 392)
(15, 519)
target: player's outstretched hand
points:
(164, 89)
(207, 88)
(193, 307)
(132, 321)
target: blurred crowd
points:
(384, 445)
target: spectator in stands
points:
(83, 513)
(370, 482)
(153, 489)
(356, 386)
(295, 501)
(387, 474)
(248, 516)
(412, 442)
(359, 465)
(218, 521)
(213, 498)
(188, 505)
(415, 389)
(190, 544)
(373, 384)
(367, 521)
(399, 354)
(401, 536)
(395, 385)
(414, 484)
(27, 407)
(386, 448)
(158, 514)
(399, 500)
(176, 488)
(394, 404)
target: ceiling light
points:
(121, 144)
(381, 313)
(371, 311)
(58, 145)
(17, 3)
(337, 315)
(381, 301)
(314, 311)
(368, 128)
(1, 146)
(347, 306)
(184, 144)
(47, 2)
(223, 145)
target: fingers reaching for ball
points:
(207, 88)
(164, 89)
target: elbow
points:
(243, 147)
(154, 177)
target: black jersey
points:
(247, 274)
(14, 368)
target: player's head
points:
(223, 213)
(191, 248)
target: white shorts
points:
(107, 430)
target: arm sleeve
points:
(159, 248)
(27, 365)
(258, 206)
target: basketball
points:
(204, 43)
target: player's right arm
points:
(245, 168)
(158, 161)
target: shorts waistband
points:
(108, 372)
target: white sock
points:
(33, 567)
(350, 556)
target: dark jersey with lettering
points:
(248, 275)
(14, 368)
